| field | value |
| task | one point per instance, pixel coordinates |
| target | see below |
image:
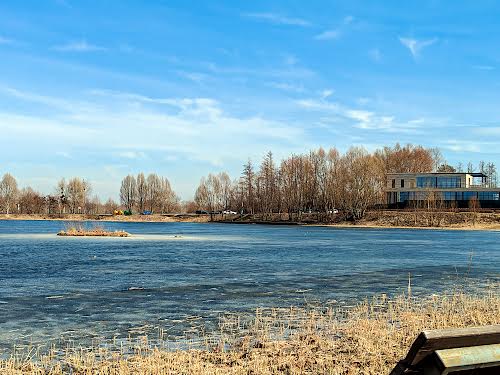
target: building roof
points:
(473, 174)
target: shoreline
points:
(372, 224)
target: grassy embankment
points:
(367, 339)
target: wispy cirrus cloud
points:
(278, 19)
(188, 126)
(78, 46)
(360, 118)
(4, 40)
(285, 86)
(328, 35)
(375, 54)
(335, 32)
(415, 46)
(483, 67)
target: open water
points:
(167, 274)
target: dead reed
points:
(366, 339)
(79, 230)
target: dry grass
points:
(366, 339)
(78, 230)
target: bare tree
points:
(110, 206)
(62, 195)
(142, 192)
(409, 159)
(31, 201)
(446, 168)
(168, 199)
(361, 182)
(8, 192)
(128, 192)
(248, 181)
(78, 192)
(491, 173)
(154, 191)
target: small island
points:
(97, 231)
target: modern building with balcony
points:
(450, 189)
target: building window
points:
(449, 182)
(402, 183)
(468, 195)
(426, 182)
(449, 196)
(404, 196)
(393, 183)
(489, 195)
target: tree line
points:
(151, 193)
(320, 181)
(74, 196)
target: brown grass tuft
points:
(79, 230)
(366, 339)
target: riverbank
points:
(367, 339)
(112, 218)
(460, 220)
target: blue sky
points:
(101, 89)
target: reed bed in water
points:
(79, 230)
(366, 339)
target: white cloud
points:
(291, 60)
(375, 54)
(133, 155)
(78, 46)
(321, 105)
(328, 35)
(286, 86)
(461, 146)
(348, 20)
(63, 154)
(278, 19)
(326, 93)
(4, 40)
(363, 101)
(484, 67)
(416, 46)
(193, 76)
(363, 119)
(132, 126)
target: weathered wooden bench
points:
(461, 351)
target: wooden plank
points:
(448, 361)
(429, 341)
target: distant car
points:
(201, 212)
(228, 212)
(333, 211)
(146, 212)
